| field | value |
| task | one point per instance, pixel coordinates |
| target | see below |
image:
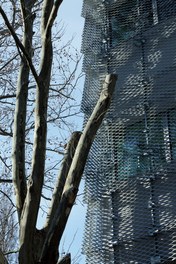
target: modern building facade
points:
(131, 172)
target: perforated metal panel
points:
(130, 177)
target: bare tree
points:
(39, 104)
(8, 225)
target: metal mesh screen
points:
(131, 172)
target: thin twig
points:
(5, 181)
(14, 57)
(11, 252)
(20, 45)
(7, 197)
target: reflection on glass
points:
(139, 157)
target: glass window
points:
(127, 17)
(122, 21)
(143, 151)
(134, 160)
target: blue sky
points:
(70, 14)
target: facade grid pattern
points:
(130, 177)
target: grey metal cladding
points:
(130, 177)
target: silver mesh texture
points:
(130, 177)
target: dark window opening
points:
(127, 18)
(122, 21)
(145, 152)
(133, 148)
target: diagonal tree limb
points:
(20, 45)
(54, 234)
(7, 196)
(69, 153)
(8, 62)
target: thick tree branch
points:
(55, 231)
(18, 154)
(35, 183)
(46, 11)
(25, 7)
(69, 153)
(2, 258)
(53, 14)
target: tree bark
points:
(65, 260)
(55, 231)
(35, 183)
(68, 157)
(2, 258)
(18, 152)
(41, 246)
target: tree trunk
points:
(41, 246)
(2, 258)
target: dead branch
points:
(70, 191)
(69, 154)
